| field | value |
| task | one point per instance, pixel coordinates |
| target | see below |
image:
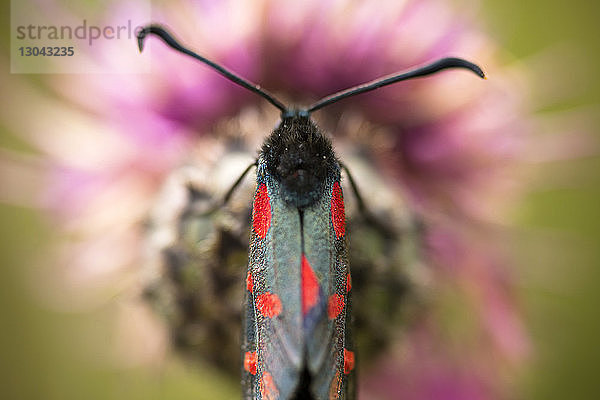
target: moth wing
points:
(326, 324)
(275, 309)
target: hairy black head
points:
(300, 157)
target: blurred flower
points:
(443, 147)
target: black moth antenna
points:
(429, 69)
(170, 40)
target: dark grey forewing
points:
(325, 338)
(280, 340)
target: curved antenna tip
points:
(478, 71)
(462, 63)
(140, 38)
(144, 32)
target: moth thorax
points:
(301, 159)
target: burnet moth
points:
(297, 340)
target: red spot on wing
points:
(250, 362)
(348, 282)
(348, 361)
(310, 286)
(261, 212)
(335, 305)
(269, 304)
(267, 387)
(249, 282)
(338, 216)
(335, 387)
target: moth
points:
(297, 336)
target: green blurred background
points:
(43, 356)
(559, 264)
